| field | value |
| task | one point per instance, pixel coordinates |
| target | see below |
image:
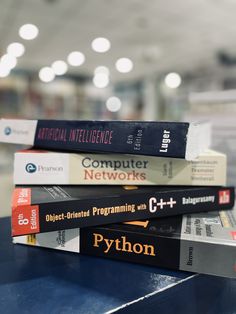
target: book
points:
(38, 209)
(34, 167)
(223, 131)
(202, 242)
(154, 138)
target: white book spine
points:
(18, 131)
(65, 240)
(38, 167)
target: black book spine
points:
(68, 214)
(140, 138)
(137, 247)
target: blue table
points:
(34, 280)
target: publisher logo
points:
(7, 130)
(41, 169)
(30, 168)
(224, 197)
(13, 131)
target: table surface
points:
(37, 280)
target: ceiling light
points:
(101, 44)
(173, 80)
(46, 74)
(101, 80)
(9, 61)
(113, 104)
(59, 67)
(28, 31)
(76, 58)
(4, 70)
(101, 69)
(16, 49)
(124, 65)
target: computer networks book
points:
(203, 242)
(34, 167)
(38, 209)
(154, 138)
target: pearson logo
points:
(30, 168)
(15, 131)
(7, 130)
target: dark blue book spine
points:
(167, 139)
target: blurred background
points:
(109, 59)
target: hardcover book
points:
(203, 242)
(46, 167)
(166, 139)
(38, 209)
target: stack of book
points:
(144, 192)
